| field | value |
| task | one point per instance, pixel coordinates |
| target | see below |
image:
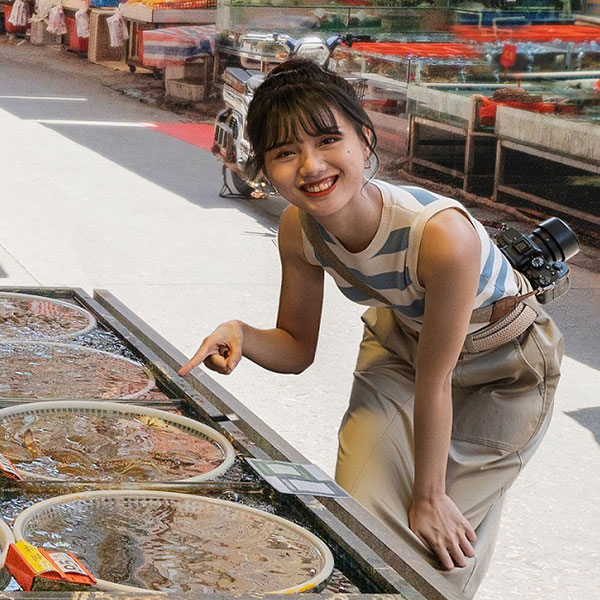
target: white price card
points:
(296, 478)
(66, 563)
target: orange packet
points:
(46, 570)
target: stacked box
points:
(99, 49)
(195, 70)
(40, 36)
(186, 90)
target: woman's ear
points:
(367, 140)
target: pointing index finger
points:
(201, 354)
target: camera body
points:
(541, 256)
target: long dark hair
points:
(300, 93)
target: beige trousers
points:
(502, 401)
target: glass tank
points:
(299, 17)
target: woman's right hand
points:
(221, 351)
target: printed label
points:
(34, 558)
(66, 563)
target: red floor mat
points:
(197, 134)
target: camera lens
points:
(555, 239)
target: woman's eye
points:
(283, 154)
(329, 140)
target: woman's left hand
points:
(440, 525)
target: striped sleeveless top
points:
(389, 263)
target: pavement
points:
(92, 196)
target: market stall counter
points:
(454, 121)
(141, 17)
(266, 507)
(454, 130)
(566, 154)
(391, 68)
(186, 54)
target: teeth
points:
(321, 187)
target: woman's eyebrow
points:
(330, 130)
(334, 129)
(280, 144)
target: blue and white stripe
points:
(389, 263)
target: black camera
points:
(541, 256)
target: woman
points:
(454, 384)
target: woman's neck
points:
(357, 223)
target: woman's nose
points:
(312, 164)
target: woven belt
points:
(504, 330)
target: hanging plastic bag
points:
(82, 23)
(56, 21)
(42, 10)
(117, 29)
(19, 14)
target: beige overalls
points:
(502, 400)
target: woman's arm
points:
(449, 270)
(290, 346)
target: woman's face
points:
(319, 174)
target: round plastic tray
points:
(6, 538)
(51, 309)
(92, 407)
(67, 376)
(144, 506)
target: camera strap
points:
(490, 314)
(500, 308)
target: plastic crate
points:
(104, 3)
(74, 42)
(185, 5)
(9, 27)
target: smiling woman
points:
(452, 394)
(322, 172)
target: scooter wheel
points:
(240, 185)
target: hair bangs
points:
(293, 116)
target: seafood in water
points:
(32, 446)
(27, 317)
(180, 545)
(105, 447)
(44, 370)
(154, 422)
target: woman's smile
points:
(320, 188)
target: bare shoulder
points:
(450, 233)
(290, 218)
(289, 234)
(450, 242)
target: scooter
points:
(230, 144)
